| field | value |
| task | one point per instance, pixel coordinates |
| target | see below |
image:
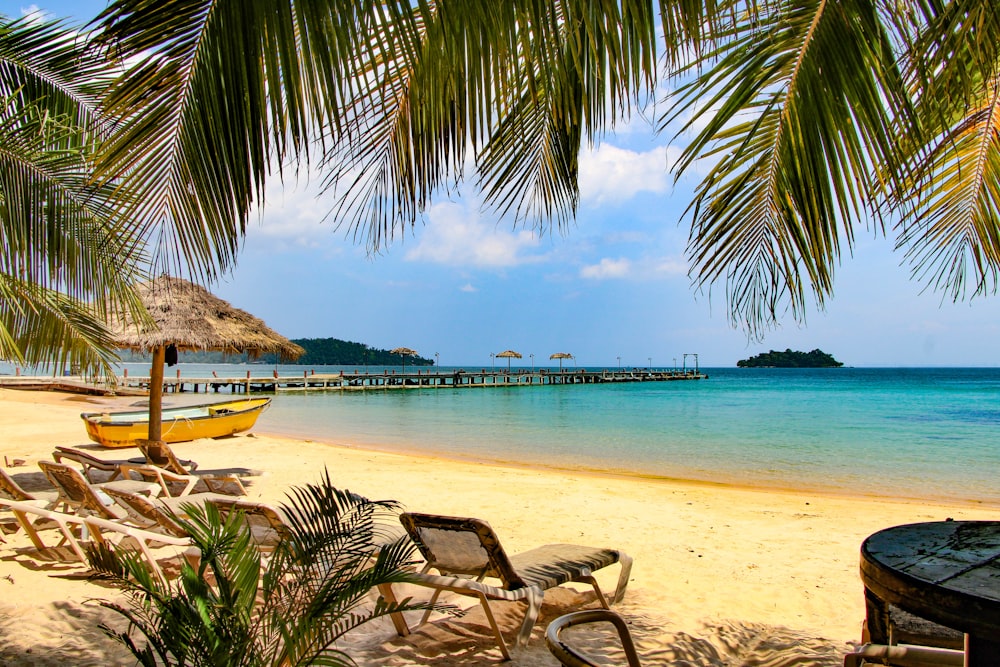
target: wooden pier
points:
(358, 380)
(419, 379)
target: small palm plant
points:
(230, 611)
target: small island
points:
(790, 359)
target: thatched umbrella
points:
(509, 354)
(560, 356)
(404, 352)
(190, 317)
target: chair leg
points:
(484, 601)
(626, 562)
(603, 601)
(398, 621)
(430, 603)
(534, 597)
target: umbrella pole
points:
(156, 398)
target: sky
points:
(613, 290)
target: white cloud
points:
(671, 266)
(612, 175)
(607, 268)
(456, 234)
(467, 287)
(35, 12)
(294, 215)
(640, 269)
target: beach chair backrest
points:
(160, 454)
(87, 461)
(457, 545)
(10, 489)
(74, 488)
(266, 522)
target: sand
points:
(722, 575)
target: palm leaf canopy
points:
(405, 351)
(561, 355)
(509, 354)
(192, 318)
(68, 259)
(812, 120)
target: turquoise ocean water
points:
(926, 433)
(921, 433)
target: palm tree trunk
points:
(156, 396)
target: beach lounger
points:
(901, 655)
(90, 463)
(159, 513)
(902, 627)
(78, 494)
(267, 523)
(77, 530)
(164, 459)
(179, 485)
(573, 657)
(11, 490)
(466, 551)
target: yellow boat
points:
(180, 424)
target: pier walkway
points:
(361, 381)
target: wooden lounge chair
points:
(466, 551)
(78, 494)
(158, 514)
(77, 530)
(902, 655)
(179, 485)
(573, 657)
(266, 522)
(162, 458)
(90, 463)
(11, 490)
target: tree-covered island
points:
(318, 352)
(790, 359)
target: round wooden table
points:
(944, 571)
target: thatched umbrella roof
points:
(192, 318)
(508, 354)
(403, 353)
(560, 356)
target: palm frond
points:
(518, 83)
(314, 589)
(952, 238)
(66, 250)
(806, 97)
(948, 205)
(209, 101)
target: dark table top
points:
(945, 571)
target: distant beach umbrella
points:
(508, 355)
(560, 356)
(404, 352)
(186, 316)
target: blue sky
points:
(615, 285)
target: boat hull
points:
(212, 420)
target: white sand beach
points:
(722, 575)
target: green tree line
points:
(319, 352)
(790, 359)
